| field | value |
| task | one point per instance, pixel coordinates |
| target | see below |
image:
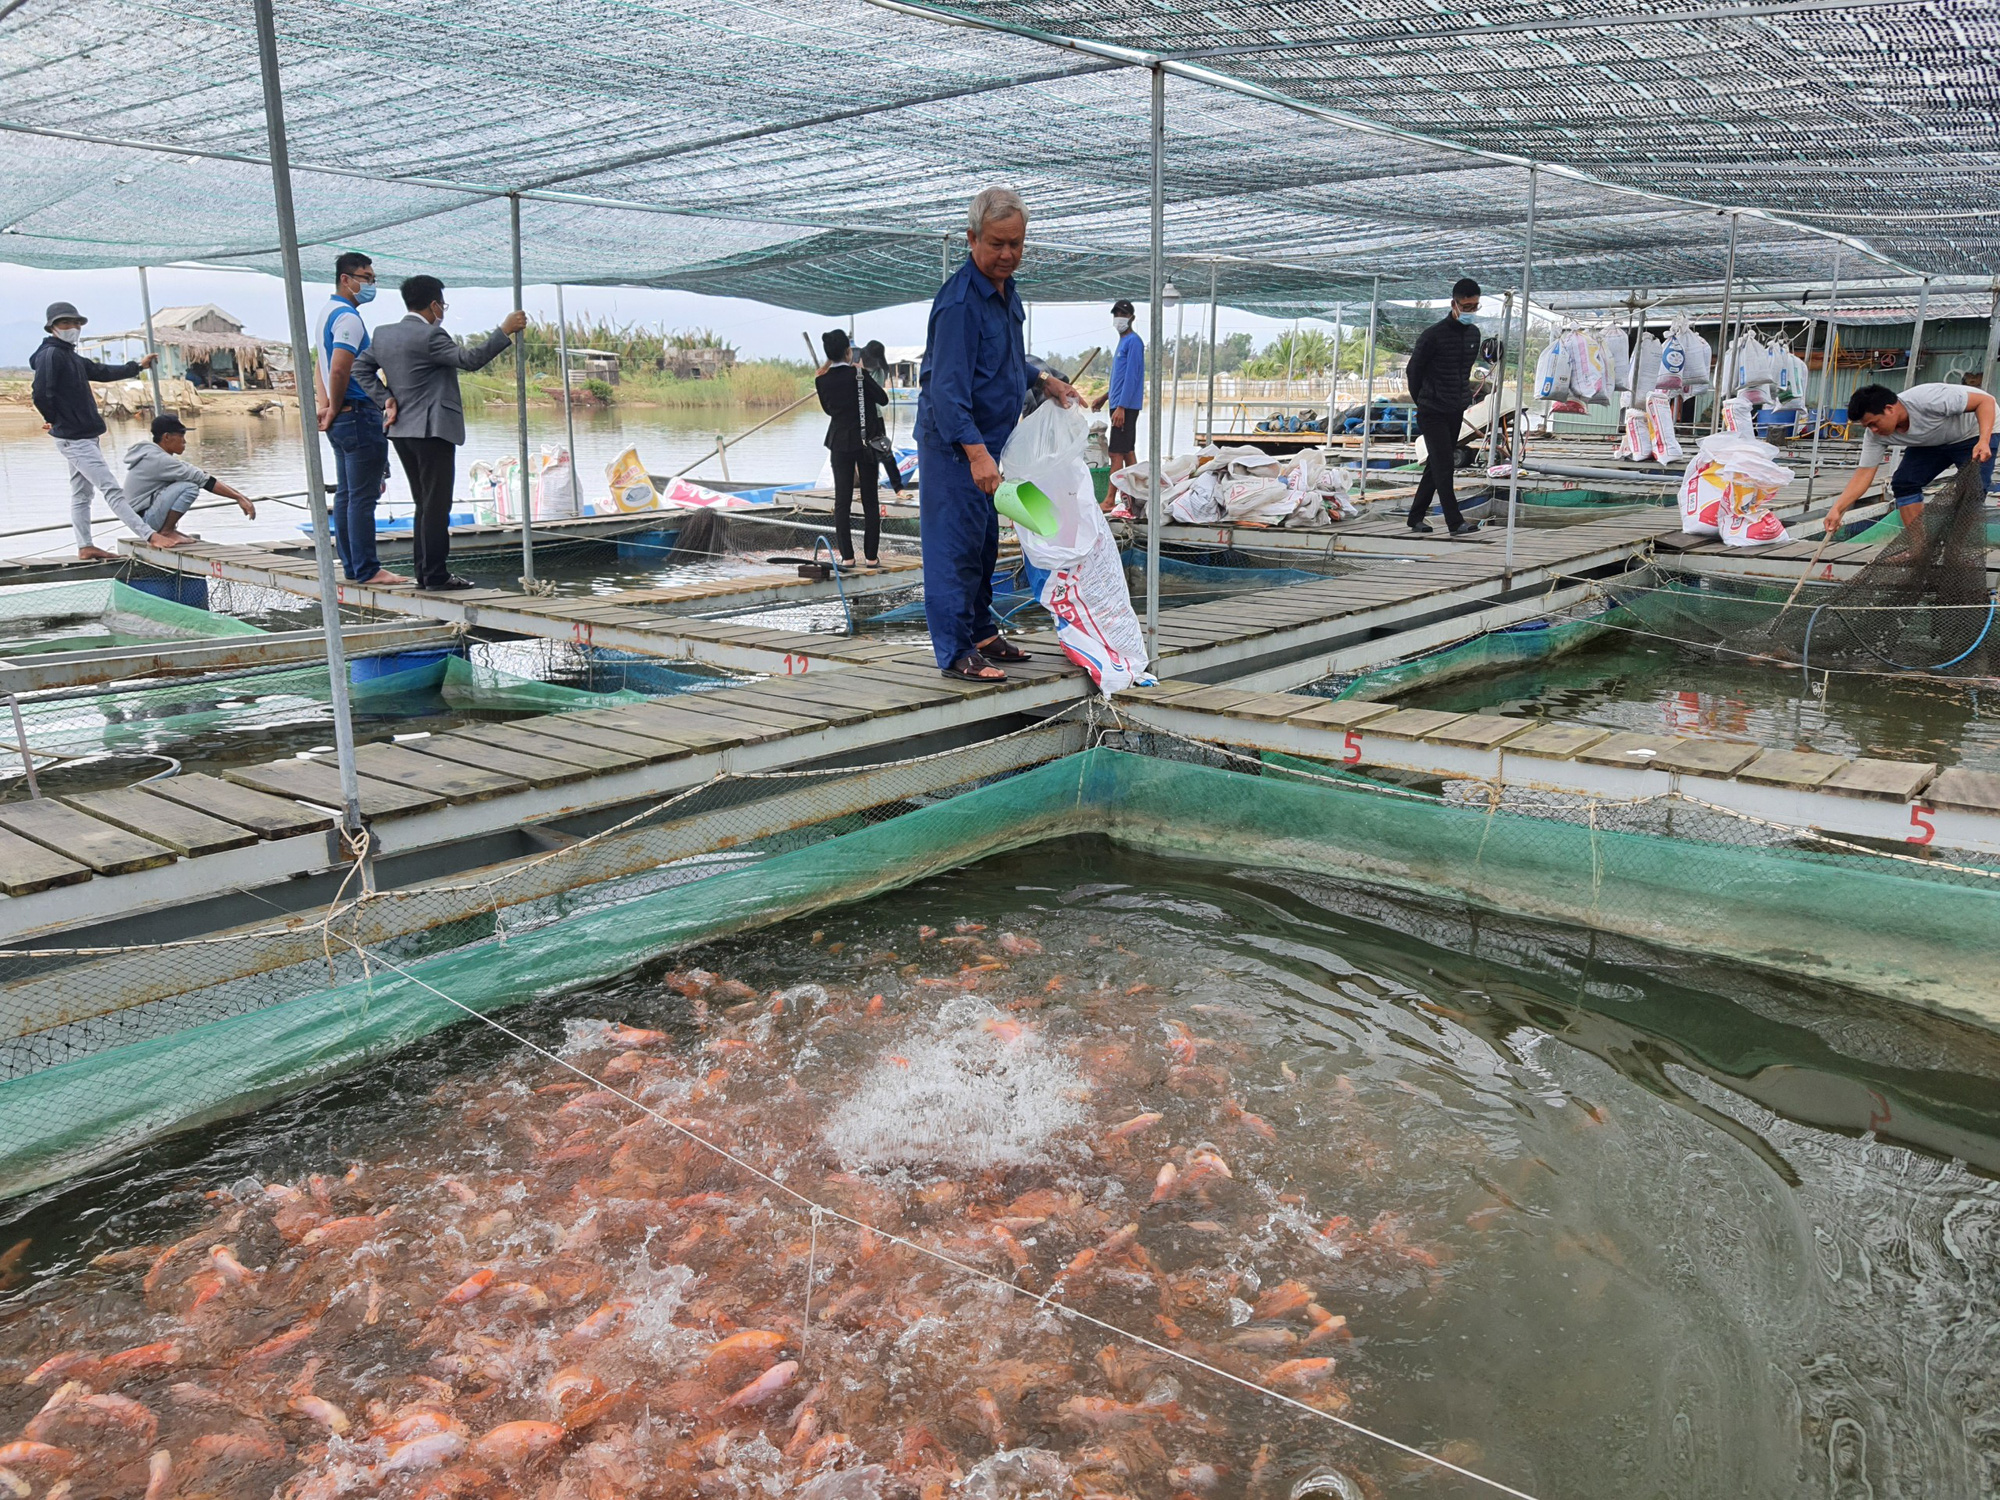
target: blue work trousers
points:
(360, 464)
(961, 540)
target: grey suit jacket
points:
(418, 364)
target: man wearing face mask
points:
(1127, 391)
(411, 369)
(352, 421)
(1440, 375)
(70, 415)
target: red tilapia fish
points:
(560, 1287)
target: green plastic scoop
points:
(1026, 506)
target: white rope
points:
(822, 1210)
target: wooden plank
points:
(1342, 713)
(1966, 791)
(26, 866)
(587, 729)
(449, 779)
(1886, 780)
(1480, 731)
(797, 719)
(1214, 700)
(1796, 768)
(585, 757)
(508, 760)
(1412, 723)
(709, 729)
(1268, 708)
(1718, 758)
(82, 838)
(314, 780)
(185, 830)
(1557, 741)
(266, 816)
(1628, 749)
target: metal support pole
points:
(1333, 390)
(1812, 338)
(302, 378)
(944, 261)
(1213, 349)
(1368, 397)
(1992, 344)
(1826, 371)
(1521, 386)
(521, 402)
(569, 412)
(1291, 358)
(1507, 352)
(1917, 335)
(1180, 337)
(21, 740)
(1721, 362)
(1159, 319)
(146, 304)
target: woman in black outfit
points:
(875, 360)
(852, 400)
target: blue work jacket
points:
(976, 368)
(1128, 373)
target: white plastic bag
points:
(1737, 417)
(1085, 590)
(1552, 373)
(1645, 368)
(1637, 442)
(1620, 353)
(1586, 365)
(1723, 462)
(1753, 485)
(1684, 359)
(558, 497)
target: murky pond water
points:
(1586, 1218)
(1656, 687)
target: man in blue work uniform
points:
(352, 422)
(1127, 392)
(976, 374)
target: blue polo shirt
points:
(340, 327)
(976, 370)
(1128, 373)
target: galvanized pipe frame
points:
(144, 975)
(65, 669)
(1808, 811)
(105, 898)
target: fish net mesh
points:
(648, 1246)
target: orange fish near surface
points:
(764, 1387)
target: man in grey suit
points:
(411, 368)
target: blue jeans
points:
(1920, 466)
(961, 541)
(360, 464)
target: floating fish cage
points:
(1082, 1110)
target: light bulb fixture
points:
(1170, 295)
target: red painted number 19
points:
(795, 665)
(1351, 749)
(1926, 830)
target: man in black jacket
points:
(69, 415)
(1440, 374)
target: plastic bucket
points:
(416, 668)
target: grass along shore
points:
(770, 384)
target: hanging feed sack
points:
(1684, 360)
(1619, 352)
(1552, 373)
(1586, 365)
(1637, 439)
(1645, 368)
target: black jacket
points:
(1440, 370)
(62, 388)
(839, 400)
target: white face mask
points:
(1123, 325)
(67, 335)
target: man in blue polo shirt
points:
(976, 374)
(352, 421)
(1127, 392)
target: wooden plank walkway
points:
(1909, 804)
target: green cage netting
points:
(97, 613)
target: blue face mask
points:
(365, 293)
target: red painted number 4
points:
(1926, 830)
(794, 665)
(1351, 749)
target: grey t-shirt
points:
(1939, 416)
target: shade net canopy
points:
(819, 154)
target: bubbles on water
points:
(979, 1091)
(1018, 1474)
(585, 1034)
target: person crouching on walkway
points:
(162, 486)
(976, 375)
(62, 394)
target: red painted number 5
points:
(1926, 830)
(1351, 749)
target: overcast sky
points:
(110, 299)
